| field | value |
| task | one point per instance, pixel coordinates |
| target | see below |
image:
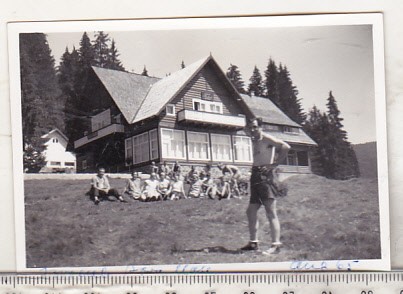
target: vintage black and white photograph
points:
(254, 140)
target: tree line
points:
(53, 97)
(334, 156)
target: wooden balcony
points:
(208, 118)
(113, 128)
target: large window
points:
(221, 147)
(129, 151)
(153, 144)
(198, 146)
(141, 148)
(173, 143)
(242, 149)
(207, 106)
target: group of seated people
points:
(165, 183)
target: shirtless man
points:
(234, 175)
(268, 151)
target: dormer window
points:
(291, 130)
(170, 109)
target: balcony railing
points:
(113, 128)
(211, 118)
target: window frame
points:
(207, 105)
(173, 110)
(162, 143)
(230, 148)
(141, 145)
(126, 151)
(234, 137)
(154, 131)
(208, 149)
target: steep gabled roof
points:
(56, 130)
(128, 90)
(165, 89)
(300, 138)
(268, 111)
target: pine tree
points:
(256, 87)
(334, 116)
(101, 49)
(288, 96)
(86, 52)
(42, 102)
(235, 77)
(113, 60)
(76, 112)
(334, 156)
(271, 82)
(145, 72)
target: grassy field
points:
(320, 219)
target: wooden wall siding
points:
(141, 127)
(205, 80)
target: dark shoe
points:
(251, 246)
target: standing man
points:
(100, 187)
(268, 152)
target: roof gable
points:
(165, 89)
(268, 111)
(128, 90)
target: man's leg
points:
(253, 222)
(271, 213)
(251, 213)
(95, 194)
(115, 192)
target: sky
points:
(319, 58)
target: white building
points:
(56, 157)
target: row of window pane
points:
(59, 163)
(144, 147)
(173, 146)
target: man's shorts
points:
(259, 186)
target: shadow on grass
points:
(211, 249)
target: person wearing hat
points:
(268, 152)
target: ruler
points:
(206, 283)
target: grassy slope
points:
(321, 219)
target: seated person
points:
(176, 169)
(195, 186)
(225, 189)
(150, 192)
(164, 168)
(234, 175)
(100, 187)
(164, 187)
(210, 187)
(178, 190)
(133, 186)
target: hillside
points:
(321, 219)
(367, 159)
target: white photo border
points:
(374, 19)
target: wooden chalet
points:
(194, 116)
